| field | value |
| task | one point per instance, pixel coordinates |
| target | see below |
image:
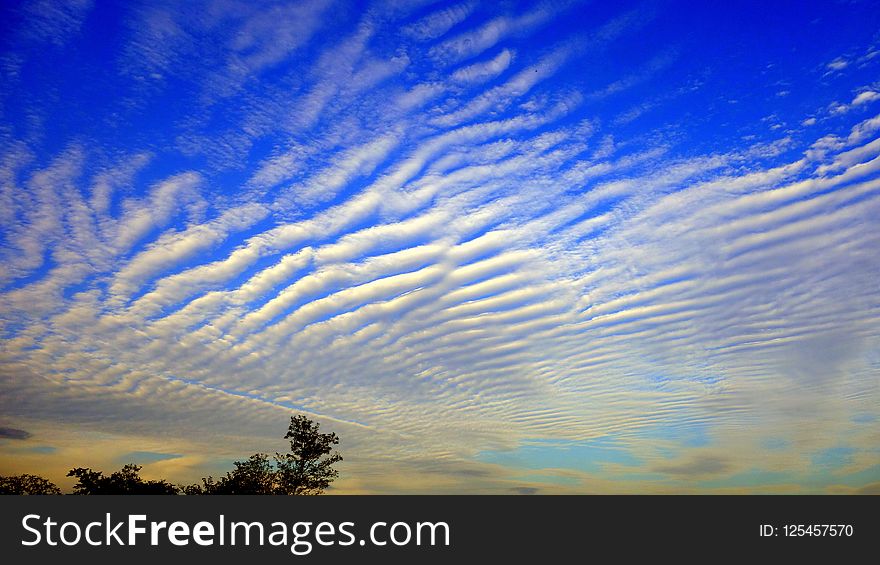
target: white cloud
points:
(861, 99)
(473, 42)
(865, 97)
(438, 23)
(480, 72)
(838, 64)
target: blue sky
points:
(495, 246)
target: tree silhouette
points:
(27, 484)
(308, 468)
(124, 481)
(254, 476)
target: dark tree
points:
(27, 484)
(254, 476)
(124, 481)
(308, 468)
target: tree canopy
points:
(124, 481)
(306, 469)
(27, 484)
(256, 475)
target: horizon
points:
(517, 247)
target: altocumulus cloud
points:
(447, 231)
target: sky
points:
(497, 247)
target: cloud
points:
(525, 490)
(700, 466)
(865, 97)
(502, 95)
(861, 99)
(438, 23)
(14, 433)
(55, 22)
(654, 66)
(480, 72)
(873, 488)
(267, 37)
(838, 64)
(473, 42)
